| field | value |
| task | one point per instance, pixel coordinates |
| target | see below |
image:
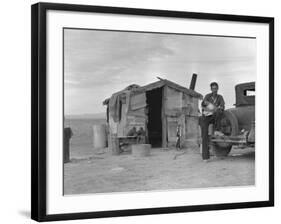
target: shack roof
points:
(158, 84)
(165, 82)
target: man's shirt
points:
(217, 100)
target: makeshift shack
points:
(159, 108)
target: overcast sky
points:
(99, 63)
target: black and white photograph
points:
(141, 111)
(148, 111)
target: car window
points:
(249, 92)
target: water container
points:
(99, 136)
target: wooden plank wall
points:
(184, 113)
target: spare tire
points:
(222, 149)
(233, 122)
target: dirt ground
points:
(164, 169)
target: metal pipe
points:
(193, 81)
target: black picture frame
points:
(39, 106)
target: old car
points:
(237, 123)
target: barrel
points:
(141, 150)
(99, 136)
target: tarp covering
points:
(112, 125)
(138, 113)
(115, 105)
(123, 121)
(138, 101)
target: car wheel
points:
(229, 126)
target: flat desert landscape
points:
(98, 171)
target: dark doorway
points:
(154, 125)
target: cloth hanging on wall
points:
(115, 105)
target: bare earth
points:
(164, 169)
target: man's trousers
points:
(205, 122)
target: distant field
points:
(81, 144)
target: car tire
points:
(233, 121)
(223, 149)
